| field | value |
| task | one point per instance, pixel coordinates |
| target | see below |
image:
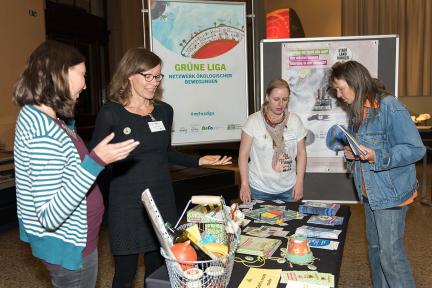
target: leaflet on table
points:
(258, 246)
(323, 244)
(265, 231)
(321, 208)
(248, 205)
(325, 220)
(285, 214)
(316, 232)
(307, 279)
(355, 146)
(261, 278)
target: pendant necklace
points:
(152, 117)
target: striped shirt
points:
(51, 185)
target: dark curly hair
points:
(45, 78)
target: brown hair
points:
(135, 60)
(364, 86)
(45, 78)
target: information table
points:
(327, 261)
(426, 135)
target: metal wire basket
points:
(214, 273)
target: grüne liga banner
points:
(203, 49)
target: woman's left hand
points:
(369, 154)
(214, 160)
(298, 191)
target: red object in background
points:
(184, 252)
(278, 24)
(283, 23)
(215, 48)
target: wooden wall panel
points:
(22, 28)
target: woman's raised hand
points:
(214, 160)
(110, 153)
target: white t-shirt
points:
(261, 174)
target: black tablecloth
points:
(328, 261)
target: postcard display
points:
(262, 242)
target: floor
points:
(19, 269)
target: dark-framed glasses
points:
(150, 77)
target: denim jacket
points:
(391, 133)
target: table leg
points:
(424, 198)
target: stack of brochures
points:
(258, 246)
(287, 214)
(316, 232)
(320, 208)
(325, 220)
(265, 231)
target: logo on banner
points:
(234, 127)
(183, 130)
(195, 128)
(203, 33)
(208, 128)
(343, 54)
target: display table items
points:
(282, 245)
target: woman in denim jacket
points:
(384, 173)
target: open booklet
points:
(355, 146)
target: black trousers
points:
(126, 266)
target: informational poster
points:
(306, 67)
(203, 49)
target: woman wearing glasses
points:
(135, 111)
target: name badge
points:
(156, 126)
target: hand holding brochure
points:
(355, 146)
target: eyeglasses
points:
(150, 77)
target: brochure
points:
(316, 232)
(323, 244)
(355, 146)
(258, 246)
(321, 208)
(266, 231)
(261, 278)
(325, 220)
(307, 279)
(287, 214)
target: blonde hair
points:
(276, 83)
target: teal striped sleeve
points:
(58, 182)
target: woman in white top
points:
(274, 141)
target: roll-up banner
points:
(203, 49)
